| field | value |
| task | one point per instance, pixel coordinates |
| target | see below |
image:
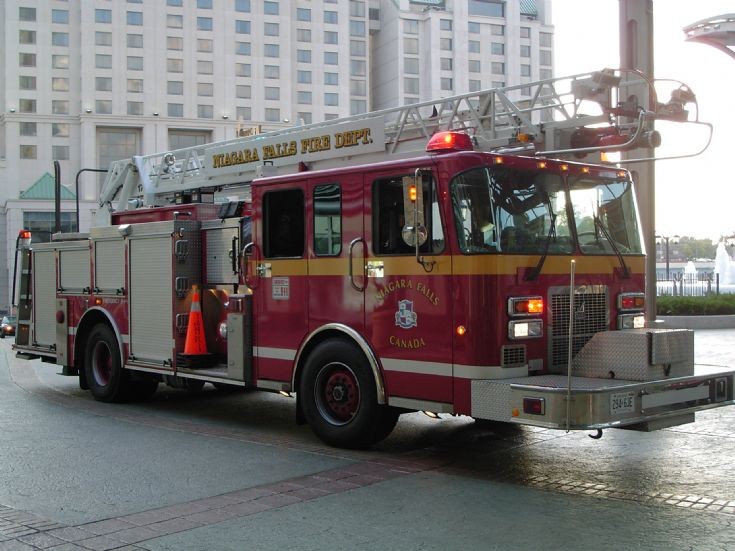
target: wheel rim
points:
(337, 393)
(102, 364)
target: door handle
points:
(358, 287)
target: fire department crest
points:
(405, 316)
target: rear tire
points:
(107, 380)
(339, 397)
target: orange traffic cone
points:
(196, 343)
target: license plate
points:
(622, 402)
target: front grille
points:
(590, 316)
(513, 355)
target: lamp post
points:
(665, 239)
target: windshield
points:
(605, 215)
(507, 210)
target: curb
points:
(696, 322)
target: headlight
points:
(525, 329)
(631, 321)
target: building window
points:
(525, 70)
(544, 74)
(303, 35)
(357, 28)
(28, 129)
(243, 6)
(357, 68)
(135, 63)
(331, 79)
(544, 57)
(242, 48)
(116, 143)
(174, 21)
(60, 152)
(305, 117)
(270, 8)
(59, 130)
(357, 48)
(242, 27)
(411, 85)
(271, 29)
(204, 4)
(446, 83)
(445, 44)
(26, 82)
(179, 139)
(474, 66)
(102, 38)
(175, 65)
(26, 105)
(175, 3)
(272, 71)
(273, 115)
(26, 37)
(445, 24)
(303, 97)
(303, 56)
(271, 50)
(243, 113)
(135, 18)
(205, 89)
(43, 224)
(60, 39)
(175, 88)
(27, 14)
(497, 68)
(303, 14)
(28, 151)
(410, 26)
(60, 16)
(242, 69)
(103, 61)
(473, 46)
(103, 84)
(272, 93)
(497, 30)
(103, 16)
(204, 23)
(205, 111)
(525, 32)
(303, 77)
(175, 109)
(103, 107)
(205, 45)
(331, 17)
(544, 40)
(487, 8)
(205, 67)
(473, 27)
(174, 43)
(358, 87)
(135, 85)
(497, 48)
(331, 58)
(60, 107)
(446, 64)
(243, 91)
(475, 85)
(27, 60)
(410, 65)
(331, 37)
(411, 45)
(525, 50)
(60, 61)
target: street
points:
(232, 470)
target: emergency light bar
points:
(449, 141)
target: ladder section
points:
(535, 118)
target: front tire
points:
(339, 397)
(107, 380)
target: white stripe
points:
(274, 353)
(453, 370)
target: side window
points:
(327, 220)
(283, 223)
(390, 202)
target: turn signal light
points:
(631, 301)
(449, 141)
(525, 306)
(534, 406)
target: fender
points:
(88, 321)
(354, 336)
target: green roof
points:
(528, 7)
(44, 189)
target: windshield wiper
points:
(603, 229)
(533, 274)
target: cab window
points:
(327, 220)
(283, 223)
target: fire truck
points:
(451, 257)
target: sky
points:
(695, 197)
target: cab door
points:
(408, 301)
(278, 278)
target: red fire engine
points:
(440, 257)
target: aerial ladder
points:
(558, 117)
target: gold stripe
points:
(462, 265)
